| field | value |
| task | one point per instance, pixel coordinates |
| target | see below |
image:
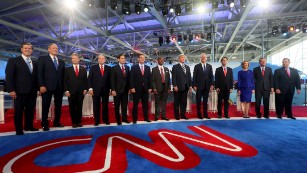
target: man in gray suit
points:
(161, 87)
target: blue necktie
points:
(28, 61)
(204, 69)
(55, 63)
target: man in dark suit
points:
(286, 79)
(140, 87)
(120, 88)
(263, 77)
(182, 83)
(75, 86)
(51, 71)
(99, 84)
(202, 84)
(223, 85)
(161, 87)
(21, 83)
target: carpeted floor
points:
(298, 111)
(230, 146)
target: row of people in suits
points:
(25, 76)
(263, 82)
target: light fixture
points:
(173, 38)
(297, 28)
(138, 8)
(209, 36)
(185, 37)
(126, 8)
(179, 39)
(230, 3)
(291, 28)
(146, 9)
(171, 9)
(191, 37)
(167, 39)
(304, 28)
(178, 10)
(274, 30)
(284, 30)
(243, 3)
(160, 41)
(164, 11)
(263, 3)
(215, 4)
(188, 7)
(113, 4)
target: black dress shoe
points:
(19, 133)
(165, 118)
(148, 121)
(266, 117)
(186, 118)
(156, 119)
(207, 117)
(96, 124)
(134, 122)
(128, 122)
(79, 125)
(227, 117)
(292, 117)
(58, 125)
(107, 123)
(31, 129)
(279, 117)
(74, 125)
(119, 124)
(46, 128)
(177, 118)
(219, 116)
(258, 116)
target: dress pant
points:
(136, 98)
(121, 100)
(284, 101)
(223, 95)
(266, 101)
(160, 103)
(24, 104)
(75, 107)
(202, 94)
(180, 101)
(97, 100)
(46, 100)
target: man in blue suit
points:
(140, 87)
(51, 71)
(202, 84)
(99, 82)
(182, 83)
(21, 83)
(286, 80)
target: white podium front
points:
(212, 101)
(39, 108)
(87, 108)
(272, 102)
(1, 107)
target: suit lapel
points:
(24, 64)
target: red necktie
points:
(142, 67)
(262, 71)
(76, 71)
(162, 75)
(225, 71)
(123, 70)
(288, 72)
(101, 70)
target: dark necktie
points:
(123, 70)
(204, 69)
(55, 62)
